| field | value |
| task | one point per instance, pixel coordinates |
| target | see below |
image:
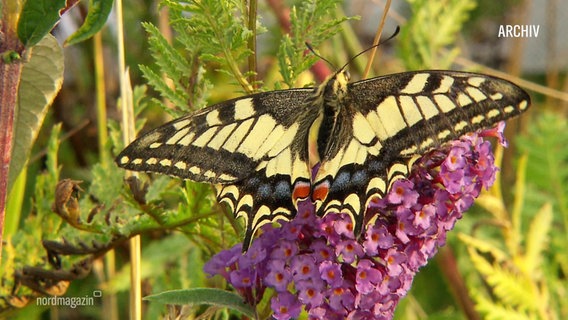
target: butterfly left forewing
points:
(222, 143)
(252, 148)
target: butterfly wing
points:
(252, 148)
(392, 119)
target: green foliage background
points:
(510, 249)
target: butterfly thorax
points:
(329, 98)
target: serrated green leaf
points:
(106, 183)
(545, 145)
(419, 46)
(537, 239)
(480, 263)
(97, 16)
(199, 296)
(41, 80)
(38, 17)
(311, 21)
(157, 188)
(170, 61)
(483, 246)
(177, 96)
(495, 311)
(513, 289)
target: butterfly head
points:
(334, 89)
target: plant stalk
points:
(10, 73)
(128, 136)
(252, 43)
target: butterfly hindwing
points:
(260, 200)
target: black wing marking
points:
(259, 200)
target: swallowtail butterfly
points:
(259, 150)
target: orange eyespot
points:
(301, 191)
(320, 191)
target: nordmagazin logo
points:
(71, 302)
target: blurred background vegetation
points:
(70, 212)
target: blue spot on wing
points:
(282, 189)
(360, 178)
(340, 182)
(264, 190)
(349, 178)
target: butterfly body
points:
(260, 150)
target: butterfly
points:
(260, 150)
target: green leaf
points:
(157, 188)
(38, 17)
(510, 288)
(537, 239)
(495, 311)
(168, 58)
(215, 29)
(96, 19)
(492, 204)
(513, 289)
(480, 263)
(312, 21)
(483, 246)
(41, 80)
(545, 145)
(418, 46)
(175, 95)
(215, 297)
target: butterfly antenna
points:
(309, 46)
(395, 33)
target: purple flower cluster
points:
(319, 265)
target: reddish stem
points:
(10, 72)
(449, 267)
